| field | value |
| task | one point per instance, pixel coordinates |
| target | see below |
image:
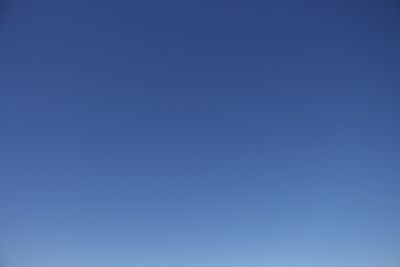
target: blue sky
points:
(200, 133)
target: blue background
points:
(200, 133)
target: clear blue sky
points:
(215, 133)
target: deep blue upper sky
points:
(200, 133)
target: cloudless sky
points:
(215, 133)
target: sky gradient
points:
(216, 133)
